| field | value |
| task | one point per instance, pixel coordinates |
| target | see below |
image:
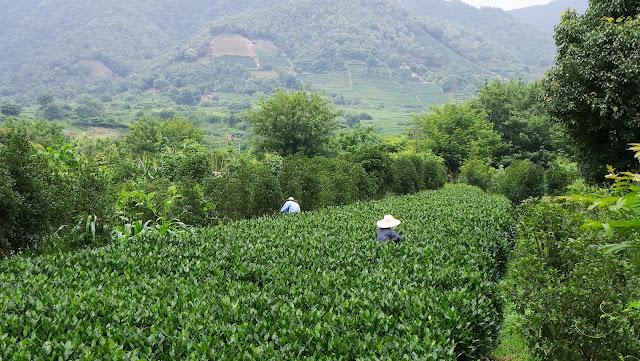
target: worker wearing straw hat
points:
(386, 229)
(290, 206)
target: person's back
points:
(290, 207)
(386, 231)
(387, 234)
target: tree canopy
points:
(293, 122)
(457, 132)
(594, 88)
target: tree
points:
(456, 133)
(26, 204)
(151, 135)
(594, 87)
(10, 109)
(518, 113)
(44, 100)
(52, 111)
(89, 110)
(290, 123)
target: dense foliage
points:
(315, 285)
(60, 47)
(596, 93)
(519, 114)
(60, 193)
(291, 123)
(573, 296)
(456, 133)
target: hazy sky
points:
(506, 4)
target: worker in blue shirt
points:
(386, 230)
(290, 207)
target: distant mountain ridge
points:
(546, 17)
(116, 45)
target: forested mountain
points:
(205, 46)
(546, 17)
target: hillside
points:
(546, 17)
(50, 43)
(417, 52)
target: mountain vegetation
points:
(116, 46)
(146, 149)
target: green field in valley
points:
(310, 286)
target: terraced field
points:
(313, 286)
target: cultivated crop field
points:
(313, 286)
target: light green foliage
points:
(457, 132)
(623, 199)
(594, 88)
(41, 132)
(191, 161)
(572, 296)
(290, 123)
(150, 135)
(316, 285)
(522, 180)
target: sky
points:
(506, 4)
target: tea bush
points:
(316, 285)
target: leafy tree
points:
(26, 203)
(89, 110)
(151, 135)
(594, 87)
(456, 133)
(518, 113)
(297, 122)
(10, 109)
(52, 111)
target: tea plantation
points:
(314, 286)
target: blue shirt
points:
(387, 234)
(290, 207)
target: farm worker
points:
(386, 229)
(290, 206)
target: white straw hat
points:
(388, 222)
(291, 199)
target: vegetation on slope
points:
(314, 285)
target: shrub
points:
(477, 173)
(416, 172)
(432, 173)
(560, 175)
(27, 204)
(321, 182)
(189, 161)
(522, 180)
(571, 294)
(405, 176)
